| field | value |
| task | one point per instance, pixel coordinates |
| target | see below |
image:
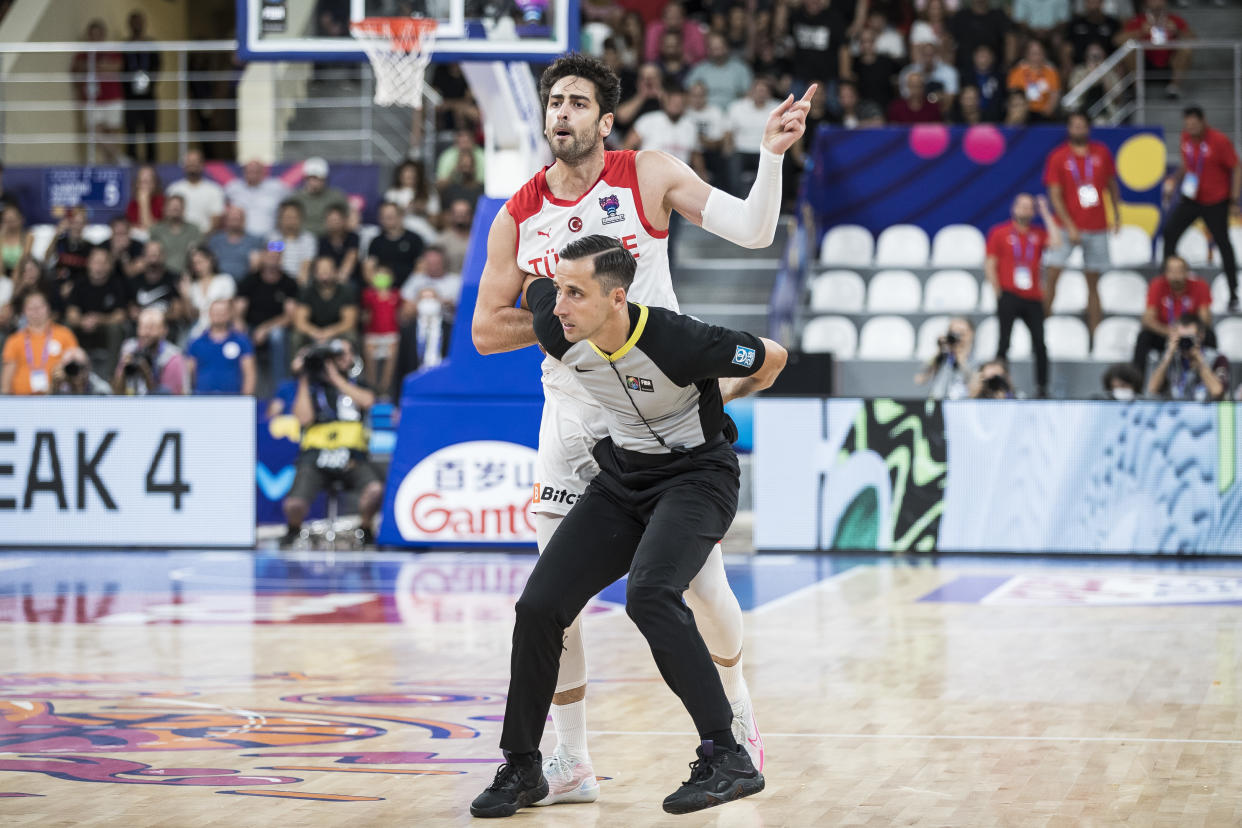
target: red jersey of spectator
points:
(108, 69)
(1170, 306)
(157, 210)
(1211, 158)
(1083, 180)
(900, 112)
(382, 307)
(1157, 29)
(1018, 254)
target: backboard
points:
(468, 30)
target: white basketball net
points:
(399, 49)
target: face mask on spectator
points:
(1123, 394)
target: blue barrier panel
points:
(462, 472)
(934, 175)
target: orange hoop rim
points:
(405, 32)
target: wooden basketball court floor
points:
(226, 689)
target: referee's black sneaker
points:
(718, 776)
(519, 783)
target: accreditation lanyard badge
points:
(1194, 172)
(1023, 264)
(40, 382)
(1088, 194)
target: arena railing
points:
(260, 91)
(1126, 101)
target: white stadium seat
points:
(987, 297)
(930, 332)
(1123, 291)
(1235, 236)
(848, 245)
(886, 337)
(96, 234)
(838, 291)
(1229, 338)
(1071, 292)
(954, 291)
(830, 335)
(1193, 247)
(894, 291)
(902, 245)
(958, 245)
(1129, 247)
(1220, 295)
(1066, 338)
(1114, 339)
(987, 337)
(42, 236)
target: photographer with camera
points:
(992, 382)
(951, 369)
(150, 364)
(74, 377)
(1188, 370)
(331, 405)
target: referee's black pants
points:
(1011, 306)
(1216, 217)
(655, 517)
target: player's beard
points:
(578, 147)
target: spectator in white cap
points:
(315, 196)
(940, 78)
(204, 198)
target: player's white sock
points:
(733, 680)
(571, 732)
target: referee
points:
(665, 495)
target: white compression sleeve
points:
(749, 223)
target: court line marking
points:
(789, 597)
(942, 737)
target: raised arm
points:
(751, 223)
(498, 324)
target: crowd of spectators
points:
(200, 288)
(719, 66)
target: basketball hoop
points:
(399, 49)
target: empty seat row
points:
(959, 291)
(963, 245)
(1066, 337)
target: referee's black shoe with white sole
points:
(718, 776)
(519, 783)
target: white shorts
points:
(106, 115)
(570, 428)
(1095, 258)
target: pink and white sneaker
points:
(568, 781)
(745, 731)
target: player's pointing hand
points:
(787, 122)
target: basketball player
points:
(630, 196)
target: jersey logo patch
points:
(639, 384)
(575, 224)
(610, 205)
(744, 357)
